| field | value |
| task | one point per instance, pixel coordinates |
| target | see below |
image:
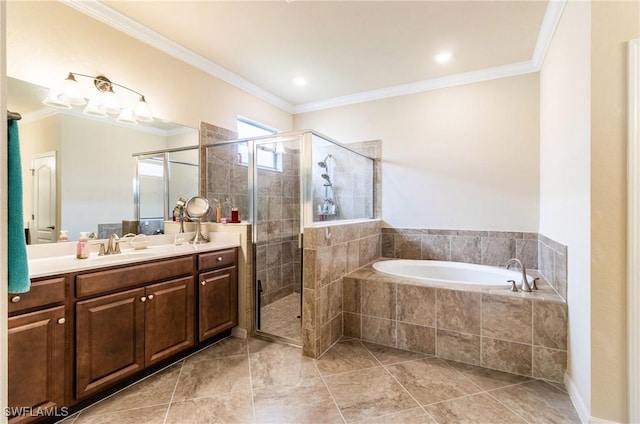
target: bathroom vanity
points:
(98, 324)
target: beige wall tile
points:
(351, 295)
(460, 347)
(335, 296)
(379, 330)
(416, 304)
(378, 299)
(416, 338)
(351, 324)
(458, 311)
(506, 356)
(408, 246)
(550, 324)
(550, 364)
(507, 318)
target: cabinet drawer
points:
(44, 292)
(219, 259)
(131, 275)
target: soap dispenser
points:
(82, 248)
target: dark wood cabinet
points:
(169, 319)
(109, 340)
(218, 296)
(121, 334)
(36, 362)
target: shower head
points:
(325, 176)
(323, 163)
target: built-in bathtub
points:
(450, 273)
(449, 315)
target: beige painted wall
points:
(46, 40)
(613, 24)
(38, 136)
(565, 155)
(4, 401)
(465, 157)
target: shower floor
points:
(280, 318)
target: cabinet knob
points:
(61, 320)
(203, 282)
(219, 259)
(150, 296)
(15, 299)
(143, 299)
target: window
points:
(268, 156)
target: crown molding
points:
(549, 24)
(487, 74)
(103, 13)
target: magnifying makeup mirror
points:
(197, 208)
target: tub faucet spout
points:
(525, 284)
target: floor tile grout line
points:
(406, 390)
(173, 393)
(507, 406)
(326, 385)
(253, 402)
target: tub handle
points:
(514, 288)
(534, 286)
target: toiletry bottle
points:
(234, 215)
(82, 248)
(63, 236)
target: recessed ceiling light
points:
(443, 57)
(299, 81)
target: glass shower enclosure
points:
(282, 183)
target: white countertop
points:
(60, 258)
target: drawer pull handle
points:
(143, 299)
(150, 296)
(219, 259)
(61, 320)
(203, 282)
(15, 299)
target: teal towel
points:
(17, 246)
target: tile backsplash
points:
(536, 251)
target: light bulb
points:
(109, 103)
(53, 99)
(142, 112)
(126, 117)
(71, 91)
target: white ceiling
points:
(347, 51)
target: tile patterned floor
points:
(281, 318)
(254, 381)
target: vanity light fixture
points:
(101, 104)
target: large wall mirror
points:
(79, 172)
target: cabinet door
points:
(218, 307)
(36, 361)
(169, 319)
(109, 340)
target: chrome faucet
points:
(525, 284)
(113, 245)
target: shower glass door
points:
(277, 236)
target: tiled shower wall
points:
(480, 247)
(352, 183)
(278, 224)
(330, 253)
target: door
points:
(277, 231)
(44, 214)
(218, 311)
(169, 319)
(36, 361)
(109, 340)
